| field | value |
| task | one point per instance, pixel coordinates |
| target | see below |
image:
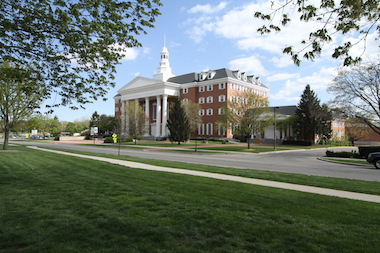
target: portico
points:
(153, 94)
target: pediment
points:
(138, 82)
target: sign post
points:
(94, 131)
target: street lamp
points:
(274, 131)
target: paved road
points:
(300, 161)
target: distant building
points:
(211, 89)
(286, 132)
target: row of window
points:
(210, 111)
(207, 129)
(210, 87)
(210, 99)
(222, 86)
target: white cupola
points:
(164, 72)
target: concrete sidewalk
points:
(288, 186)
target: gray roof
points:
(193, 77)
(285, 110)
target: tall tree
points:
(325, 118)
(311, 117)
(44, 124)
(95, 119)
(18, 97)
(178, 123)
(356, 129)
(192, 111)
(358, 17)
(134, 120)
(108, 124)
(357, 93)
(248, 114)
(73, 45)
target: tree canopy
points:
(312, 118)
(18, 97)
(358, 16)
(248, 114)
(357, 93)
(178, 122)
(73, 46)
(134, 121)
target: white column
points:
(147, 114)
(164, 114)
(158, 119)
(147, 107)
(125, 104)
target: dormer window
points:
(237, 74)
(202, 76)
(244, 76)
(258, 82)
(211, 74)
(251, 79)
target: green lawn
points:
(56, 203)
(325, 182)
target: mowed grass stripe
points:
(55, 203)
(351, 185)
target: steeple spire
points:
(164, 72)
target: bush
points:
(344, 154)
(108, 140)
(364, 151)
(125, 139)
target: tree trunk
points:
(6, 139)
(249, 142)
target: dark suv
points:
(375, 159)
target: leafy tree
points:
(356, 129)
(18, 97)
(178, 123)
(44, 124)
(357, 93)
(72, 45)
(325, 117)
(311, 117)
(75, 127)
(134, 120)
(95, 119)
(358, 16)
(108, 124)
(248, 114)
(192, 111)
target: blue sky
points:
(208, 35)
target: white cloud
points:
(147, 50)
(251, 64)
(130, 54)
(207, 8)
(282, 61)
(282, 76)
(293, 89)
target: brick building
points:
(210, 89)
